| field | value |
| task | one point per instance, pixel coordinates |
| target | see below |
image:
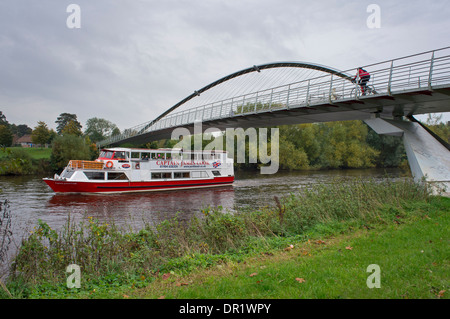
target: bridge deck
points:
(417, 84)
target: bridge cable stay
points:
(420, 79)
(244, 86)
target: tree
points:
(99, 129)
(292, 158)
(53, 134)
(6, 137)
(41, 133)
(63, 119)
(391, 149)
(72, 128)
(66, 148)
(20, 130)
(3, 120)
(435, 124)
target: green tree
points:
(20, 130)
(66, 148)
(63, 119)
(52, 135)
(18, 162)
(435, 124)
(326, 145)
(99, 129)
(3, 120)
(72, 128)
(41, 133)
(304, 137)
(391, 149)
(348, 145)
(292, 158)
(6, 136)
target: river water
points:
(31, 199)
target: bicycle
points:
(357, 92)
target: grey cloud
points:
(131, 60)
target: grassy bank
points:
(335, 230)
(33, 152)
(413, 261)
(24, 160)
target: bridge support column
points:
(428, 158)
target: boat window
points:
(207, 156)
(119, 155)
(168, 156)
(95, 175)
(117, 176)
(106, 154)
(166, 175)
(216, 173)
(67, 174)
(145, 156)
(135, 155)
(156, 175)
(181, 175)
(199, 174)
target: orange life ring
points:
(137, 166)
(109, 164)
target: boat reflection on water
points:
(135, 209)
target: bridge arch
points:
(254, 68)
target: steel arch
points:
(255, 68)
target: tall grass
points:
(112, 254)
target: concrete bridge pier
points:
(428, 157)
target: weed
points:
(111, 257)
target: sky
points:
(130, 60)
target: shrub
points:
(68, 147)
(16, 162)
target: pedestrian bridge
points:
(416, 84)
(283, 93)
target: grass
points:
(24, 160)
(33, 152)
(413, 260)
(336, 230)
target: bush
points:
(16, 162)
(112, 255)
(69, 147)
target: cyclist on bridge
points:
(363, 77)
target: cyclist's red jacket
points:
(363, 74)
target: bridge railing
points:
(420, 71)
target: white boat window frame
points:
(94, 172)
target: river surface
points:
(31, 199)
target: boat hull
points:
(61, 186)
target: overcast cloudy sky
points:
(131, 60)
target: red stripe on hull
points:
(120, 187)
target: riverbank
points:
(118, 264)
(25, 161)
(411, 254)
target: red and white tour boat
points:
(119, 170)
